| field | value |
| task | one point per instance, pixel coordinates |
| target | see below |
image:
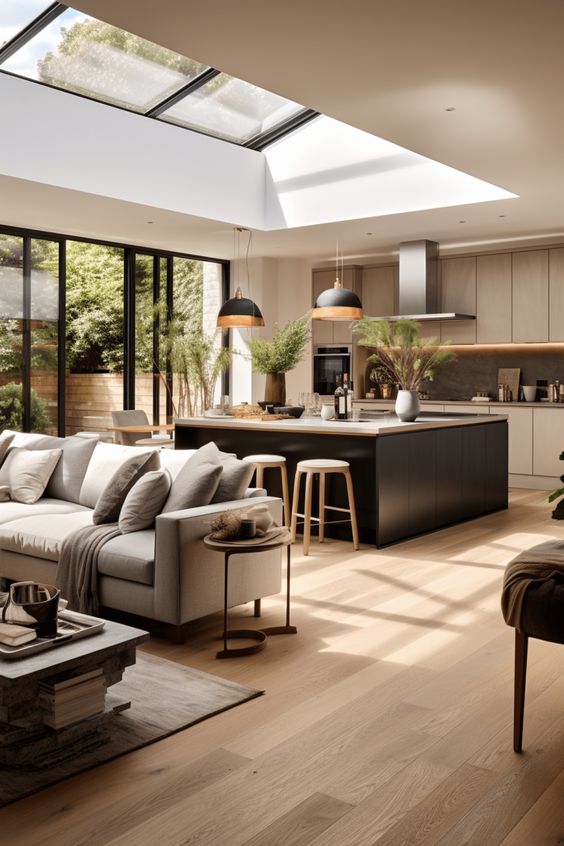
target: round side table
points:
(238, 547)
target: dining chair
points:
(137, 417)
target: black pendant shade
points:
(239, 313)
(337, 303)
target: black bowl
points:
(292, 410)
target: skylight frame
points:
(257, 142)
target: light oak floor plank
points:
(386, 720)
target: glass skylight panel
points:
(84, 55)
(232, 109)
(15, 15)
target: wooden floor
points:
(386, 720)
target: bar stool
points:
(321, 467)
(263, 462)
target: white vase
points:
(407, 406)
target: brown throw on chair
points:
(532, 601)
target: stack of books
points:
(69, 700)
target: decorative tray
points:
(71, 626)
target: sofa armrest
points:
(181, 558)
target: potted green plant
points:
(408, 358)
(276, 357)
(558, 513)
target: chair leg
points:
(285, 494)
(260, 477)
(257, 607)
(521, 649)
(321, 507)
(295, 504)
(352, 507)
(307, 512)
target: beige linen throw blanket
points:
(77, 571)
(538, 564)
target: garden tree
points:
(102, 51)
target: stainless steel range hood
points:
(419, 284)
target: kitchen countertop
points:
(373, 428)
(469, 402)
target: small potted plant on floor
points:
(408, 358)
(558, 513)
(276, 357)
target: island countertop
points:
(388, 424)
(421, 476)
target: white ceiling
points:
(390, 68)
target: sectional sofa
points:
(163, 573)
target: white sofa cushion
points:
(42, 535)
(130, 557)
(105, 460)
(24, 439)
(174, 460)
(26, 473)
(16, 510)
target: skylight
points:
(69, 50)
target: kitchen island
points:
(409, 478)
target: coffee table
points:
(25, 740)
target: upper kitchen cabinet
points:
(493, 302)
(325, 332)
(556, 294)
(458, 293)
(379, 290)
(530, 296)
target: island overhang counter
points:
(409, 478)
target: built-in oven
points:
(328, 363)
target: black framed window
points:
(86, 328)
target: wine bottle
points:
(348, 397)
(340, 407)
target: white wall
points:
(282, 290)
(52, 137)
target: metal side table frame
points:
(235, 547)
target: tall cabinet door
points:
(379, 291)
(556, 294)
(321, 330)
(493, 299)
(530, 296)
(458, 293)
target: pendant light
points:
(337, 303)
(240, 312)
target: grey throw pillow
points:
(234, 479)
(26, 473)
(5, 442)
(144, 501)
(113, 495)
(67, 478)
(197, 482)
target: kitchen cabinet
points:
(530, 296)
(471, 408)
(548, 441)
(379, 291)
(556, 294)
(458, 293)
(327, 332)
(493, 299)
(520, 447)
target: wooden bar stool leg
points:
(352, 507)
(260, 476)
(295, 504)
(321, 507)
(285, 494)
(307, 512)
(521, 649)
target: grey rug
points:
(165, 698)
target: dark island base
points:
(405, 484)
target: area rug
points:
(165, 698)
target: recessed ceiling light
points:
(450, 109)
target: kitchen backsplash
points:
(475, 369)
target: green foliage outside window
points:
(11, 409)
